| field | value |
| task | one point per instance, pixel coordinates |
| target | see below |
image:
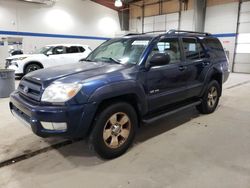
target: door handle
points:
(182, 68)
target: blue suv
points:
(122, 83)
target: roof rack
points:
(155, 32)
(131, 34)
(173, 31)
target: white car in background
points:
(48, 56)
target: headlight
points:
(20, 58)
(14, 63)
(60, 92)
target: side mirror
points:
(49, 53)
(159, 59)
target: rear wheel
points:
(210, 98)
(32, 67)
(114, 130)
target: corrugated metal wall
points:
(222, 20)
(242, 56)
(161, 22)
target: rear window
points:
(214, 46)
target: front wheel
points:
(210, 98)
(114, 130)
(32, 67)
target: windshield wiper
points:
(117, 61)
(82, 60)
(87, 60)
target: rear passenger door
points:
(73, 54)
(197, 64)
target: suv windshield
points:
(122, 51)
(42, 50)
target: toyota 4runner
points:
(122, 83)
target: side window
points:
(169, 46)
(72, 49)
(81, 49)
(192, 49)
(58, 50)
(215, 48)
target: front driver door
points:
(166, 84)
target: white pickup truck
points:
(48, 56)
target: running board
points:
(168, 113)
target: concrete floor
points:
(185, 150)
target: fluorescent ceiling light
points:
(118, 3)
(48, 2)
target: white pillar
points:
(3, 52)
(199, 14)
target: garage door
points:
(161, 23)
(242, 56)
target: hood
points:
(82, 71)
(23, 55)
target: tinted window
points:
(214, 46)
(58, 50)
(168, 46)
(193, 49)
(72, 49)
(81, 49)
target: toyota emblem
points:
(25, 89)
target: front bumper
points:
(225, 76)
(77, 117)
(18, 70)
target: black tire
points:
(31, 67)
(103, 124)
(210, 102)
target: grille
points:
(30, 89)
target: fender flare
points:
(211, 72)
(119, 89)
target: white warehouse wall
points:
(222, 21)
(66, 17)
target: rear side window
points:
(192, 49)
(72, 49)
(214, 47)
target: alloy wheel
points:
(33, 68)
(212, 97)
(116, 130)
